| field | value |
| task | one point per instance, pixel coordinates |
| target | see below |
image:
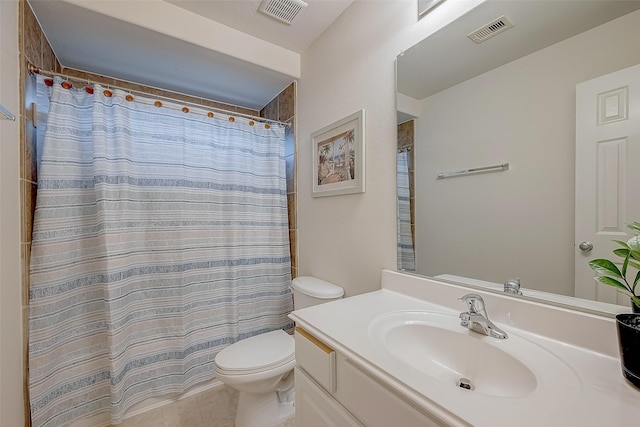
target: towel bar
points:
(496, 168)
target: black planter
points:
(628, 326)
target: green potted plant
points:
(628, 325)
(609, 273)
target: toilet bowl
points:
(261, 367)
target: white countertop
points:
(594, 393)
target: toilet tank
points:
(309, 291)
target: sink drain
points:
(464, 383)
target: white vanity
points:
(395, 357)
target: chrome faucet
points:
(476, 319)
(512, 286)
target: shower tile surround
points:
(35, 49)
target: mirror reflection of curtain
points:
(159, 238)
(406, 256)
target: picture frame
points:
(426, 6)
(339, 157)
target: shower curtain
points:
(406, 256)
(159, 238)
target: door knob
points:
(585, 246)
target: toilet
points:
(261, 367)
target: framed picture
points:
(338, 157)
(425, 6)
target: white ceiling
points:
(430, 67)
(221, 50)
(241, 15)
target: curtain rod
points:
(35, 70)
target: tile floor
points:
(211, 408)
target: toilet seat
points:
(256, 354)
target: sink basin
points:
(436, 345)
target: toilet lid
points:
(317, 288)
(257, 353)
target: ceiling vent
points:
(282, 10)
(493, 28)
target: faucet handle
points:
(475, 303)
(512, 286)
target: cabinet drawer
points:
(373, 403)
(316, 358)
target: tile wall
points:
(35, 49)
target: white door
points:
(607, 173)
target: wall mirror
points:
(509, 99)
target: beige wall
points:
(348, 239)
(11, 368)
(522, 113)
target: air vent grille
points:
(282, 10)
(493, 28)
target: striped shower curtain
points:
(405, 253)
(159, 238)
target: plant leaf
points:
(622, 253)
(635, 283)
(635, 226)
(634, 264)
(605, 267)
(625, 264)
(613, 282)
(635, 255)
(634, 243)
(623, 244)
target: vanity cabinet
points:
(316, 408)
(332, 390)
